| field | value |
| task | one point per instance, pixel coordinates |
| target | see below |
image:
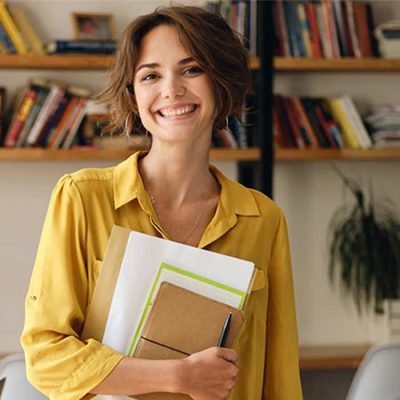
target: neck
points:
(176, 176)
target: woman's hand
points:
(209, 374)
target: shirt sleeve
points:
(59, 363)
(282, 358)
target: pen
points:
(225, 330)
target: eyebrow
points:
(184, 61)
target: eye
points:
(149, 77)
(195, 70)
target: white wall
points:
(309, 192)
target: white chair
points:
(378, 376)
(16, 385)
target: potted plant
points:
(365, 248)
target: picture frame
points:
(93, 26)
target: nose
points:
(173, 87)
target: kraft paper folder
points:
(181, 323)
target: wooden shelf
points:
(345, 64)
(82, 62)
(332, 154)
(332, 357)
(36, 154)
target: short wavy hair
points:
(212, 43)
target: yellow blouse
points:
(83, 208)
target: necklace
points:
(196, 222)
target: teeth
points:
(170, 112)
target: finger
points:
(229, 355)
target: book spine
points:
(339, 21)
(5, 39)
(12, 29)
(352, 29)
(287, 138)
(305, 30)
(293, 123)
(331, 24)
(313, 142)
(362, 29)
(349, 136)
(283, 47)
(315, 39)
(82, 46)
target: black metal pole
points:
(265, 47)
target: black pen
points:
(225, 330)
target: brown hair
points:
(213, 44)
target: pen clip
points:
(225, 330)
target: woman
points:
(178, 74)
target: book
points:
(120, 294)
(362, 28)
(315, 39)
(352, 29)
(349, 135)
(12, 29)
(26, 29)
(6, 42)
(81, 47)
(18, 123)
(181, 323)
(196, 283)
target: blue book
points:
(82, 47)
(6, 41)
(294, 27)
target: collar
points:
(128, 185)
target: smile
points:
(173, 112)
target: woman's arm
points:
(207, 375)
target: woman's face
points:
(173, 94)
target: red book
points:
(282, 48)
(286, 134)
(315, 38)
(325, 125)
(294, 124)
(362, 29)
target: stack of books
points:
(384, 125)
(164, 310)
(17, 35)
(324, 28)
(308, 122)
(46, 114)
(388, 36)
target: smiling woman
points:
(179, 72)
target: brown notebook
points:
(181, 323)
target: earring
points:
(226, 127)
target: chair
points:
(16, 385)
(378, 376)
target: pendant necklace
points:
(196, 222)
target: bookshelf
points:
(82, 154)
(67, 62)
(345, 64)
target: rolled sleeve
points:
(282, 358)
(59, 363)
